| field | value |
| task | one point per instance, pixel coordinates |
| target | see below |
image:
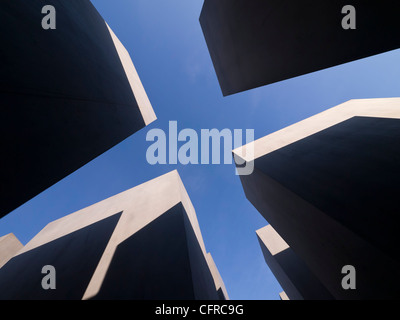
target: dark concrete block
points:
(162, 261)
(74, 256)
(66, 95)
(152, 250)
(259, 42)
(351, 172)
(329, 186)
(9, 246)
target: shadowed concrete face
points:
(9, 246)
(329, 187)
(162, 261)
(153, 251)
(291, 272)
(349, 171)
(74, 257)
(67, 95)
(258, 42)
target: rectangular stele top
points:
(67, 95)
(9, 246)
(272, 240)
(259, 42)
(146, 215)
(388, 108)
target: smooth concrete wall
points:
(329, 185)
(153, 251)
(9, 246)
(294, 276)
(162, 261)
(67, 95)
(258, 42)
(74, 257)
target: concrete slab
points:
(67, 95)
(74, 257)
(154, 251)
(328, 185)
(294, 276)
(259, 42)
(9, 246)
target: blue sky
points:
(168, 49)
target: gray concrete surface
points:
(74, 257)
(329, 186)
(219, 282)
(144, 243)
(259, 42)
(9, 246)
(294, 276)
(67, 95)
(283, 296)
